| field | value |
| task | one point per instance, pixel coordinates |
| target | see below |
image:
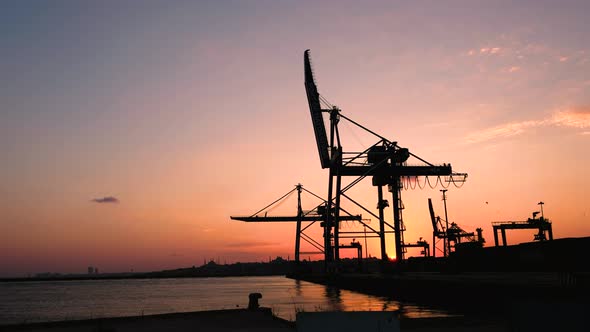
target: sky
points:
(130, 131)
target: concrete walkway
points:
(214, 321)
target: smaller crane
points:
(451, 234)
(419, 244)
(318, 213)
(541, 224)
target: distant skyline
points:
(131, 130)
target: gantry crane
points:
(318, 213)
(419, 244)
(385, 161)
(545, 231)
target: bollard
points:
(253, 304)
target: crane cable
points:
(271, 204)
(409, 182)
(353, 134)
(279, 203)
(325, 101)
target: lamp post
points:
(447, 242)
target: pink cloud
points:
(502, 131)
(576, 117)
(573, 117)
(485, 50)
(513, 69)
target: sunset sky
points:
(130, 131)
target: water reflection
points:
(387, 305)
(298, 287)
(50, 301)
(305, 296)
(332, 294)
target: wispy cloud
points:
(484, 51)
(575, 117)
(513, 69)
(518, 48)
(107, 199)
(502, 131)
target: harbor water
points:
(40, 301)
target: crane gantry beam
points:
(292, 218)
(397, 170)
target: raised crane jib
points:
(313, 98)
(432, 217)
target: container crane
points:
(385, 161)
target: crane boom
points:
(432, 217)
(313, 98)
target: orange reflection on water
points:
(308, 297)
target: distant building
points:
(90, 270)
(47, 275)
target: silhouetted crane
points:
(451, 234)
(318, 213)
(385, 161)
(545, 230)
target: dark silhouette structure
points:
(359, 252)
(420, 244)
(317, 214)
(385, 162)
(253, 301)
(451, 235)
(545, 231)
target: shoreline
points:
(260, 319)
(464, 293)
(210, 320)
(82, 278)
